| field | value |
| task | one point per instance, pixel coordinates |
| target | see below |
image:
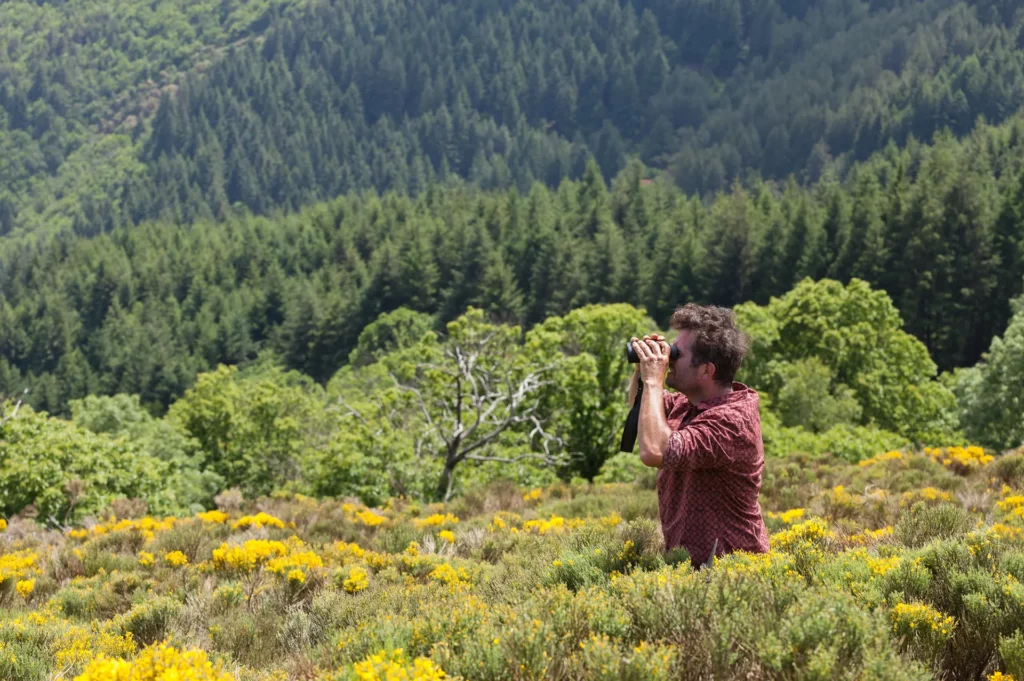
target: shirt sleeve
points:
(706, 442)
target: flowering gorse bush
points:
(158, 663)
(876, 571)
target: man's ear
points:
(710, 370)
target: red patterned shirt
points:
(710, 475)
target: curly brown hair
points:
(716, 338)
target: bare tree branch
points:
(352, 411)
(515, 459)
(423, 407)
(17, 406)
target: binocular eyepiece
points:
(633, 358)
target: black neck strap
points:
(632, 421)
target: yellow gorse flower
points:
(881, 458)
(356, 581)
(450, 575)
(258, 521)
(157, 663)
(369, 518)
(215, 516)
(305, 560)
(880, 566)
(869, 536)
(25, 587)
(435, 520)
(930, 494)
(909, 616)
(789, 517)
(175, 558)
(393, 666)
(554, 524)
(960, 459)
(247, 557)
(148, 527)
(811, 532)
(18, 565)
(344, 552)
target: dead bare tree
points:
(475, 394)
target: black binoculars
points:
(633, 358)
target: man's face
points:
(682, 375)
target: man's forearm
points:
(653, 429)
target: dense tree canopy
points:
(114, 112)
(142, 310)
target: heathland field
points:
(907, 565)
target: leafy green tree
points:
(395, 330)
(254, 432)
(592, 379)
(188, 485)
(376, 448)
(857, 334)
(808, 396)
(65, 473)
(991, 394)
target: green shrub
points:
(68, 472)
(922, 524)
(149, 620)
(604, 659)
(1011, 650)
(23, 661)
(624, 467)
(102, 595)
(1010, 469)
(575, 570)
(640, 546)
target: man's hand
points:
(653, 352)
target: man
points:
(705, 439)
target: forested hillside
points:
(141, 310)
(288, 102)
(78, 78)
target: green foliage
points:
(476, 106)
(395, 330)
(991, 394)
(589, 390)
(553, 581)
(1011, 650)
(925, 523)
(470, 399)
(143, 310)
(856, 335)
(148, 622)
(852, 443)
(123, 415)
(373, 454)
(623, 467)
(253, 431)
(809, 398)
(65, 472)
